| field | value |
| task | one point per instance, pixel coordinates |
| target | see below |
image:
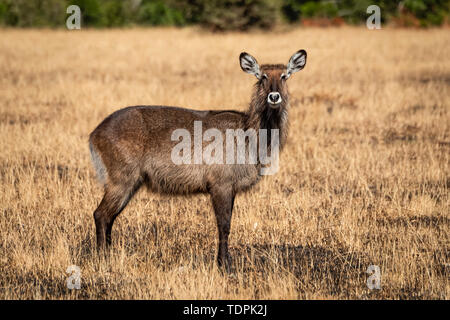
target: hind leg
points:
(114, 201)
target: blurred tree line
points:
(217, 15)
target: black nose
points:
(274, 97)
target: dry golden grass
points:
(364, 178)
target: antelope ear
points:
(249, 64)
(296, 62)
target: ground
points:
(364, 178)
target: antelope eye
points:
(264, 76)
(283, 77)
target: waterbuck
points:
(134, 146)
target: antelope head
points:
(271, 86)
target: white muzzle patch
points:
(274, 98)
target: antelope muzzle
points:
(274, 99)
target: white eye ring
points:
(265, 76)
(284, 76)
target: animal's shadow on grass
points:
(334, 267)
(88, 245)
(336, 270)
(434, 222)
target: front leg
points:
(223, 199)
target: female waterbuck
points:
(135, 146)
